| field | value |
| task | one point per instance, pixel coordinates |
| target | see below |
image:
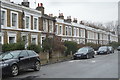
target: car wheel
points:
(74, 58)
(37, 66)
(93, 56)
(14, 70)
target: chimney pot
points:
(61, 15)
(25, 3)
(40, 7)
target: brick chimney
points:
(25, 3)
(61, 16)
(51, 15)
(75, 20)
(68, 19)
(40, 7)
(81, 22)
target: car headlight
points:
(4, 65)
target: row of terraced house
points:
(32, 25)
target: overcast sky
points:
(90, 10)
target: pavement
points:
(102, 66)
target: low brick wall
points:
(55, 57)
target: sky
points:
(102, 11)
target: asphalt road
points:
(102, 66)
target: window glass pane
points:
(33, 40)
(11, 39)
(15, 53)
(14, 19)
(66, 30)
(60, 29)
(24, 53)
(2, 17)
(7, 56)
(31, 53)
(35, 23)
(27, 22)
(50, 26)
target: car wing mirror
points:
(21, 57)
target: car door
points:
(33, 57)
(24, 62)
(91, 52)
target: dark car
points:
(85, 52)
(111, 49)
(103, 50)
(118, 48)
(14, 61)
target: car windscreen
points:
(9, 55)
(5, 56)
(102, 49)
(83, 50)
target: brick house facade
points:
(19, 22)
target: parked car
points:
(103, 50)
(85, 52)
(13, 62)
(118, 48)
(111, 49)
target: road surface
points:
(102, 66)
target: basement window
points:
(11, 39)
(34, 41)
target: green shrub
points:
(93, 45)
(114, 44)
(12, 47)
(53, 44)
(47, 44)
(71, 47)
(36, 48)
(80, 45)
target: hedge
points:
(13, 46)
(36, 48)
(71, 47)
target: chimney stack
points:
(61, 16)
(75, 20)
(69, 19)
(25, 3)
(51, 15)
(40, 7)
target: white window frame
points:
(52, 26)
(12, 35)
(34, 23)
(29, 21)
(25, 34)
(5, 23)
(34, 36)
(74, 31)
(77, 32)
(2, 38)
(12, 12)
